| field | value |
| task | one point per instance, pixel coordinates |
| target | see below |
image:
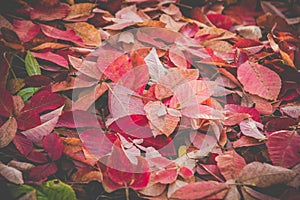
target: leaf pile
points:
(142, 99)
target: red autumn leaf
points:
(53, 145)
(38, 157)
(49, 122)
(220, 21)
(78, 119)
(46, 13)
(259, 80)
(6, 103)
(97, 142)
(200, 190)
(52, 57)
(23, 144)
(125, 173)
(284, 148)
(43, 101)
(255, 115)
(27, 120)
(189, 30)
(26, 30)
(7, 132)
(37, 80)
(230, 164)
(42, 171)
(68, 35)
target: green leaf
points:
(18, 191)
(26, 93)
(31, 65)
(55, 189)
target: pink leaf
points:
(251, 128)
(177, 57)
(68, 35)
(53, 145)
(201, 190)
(96, 142)
(259, 80)
(77, 119)
(255, 115)
(284, 148)
(52, 57)
(230, 164)
(26, 30)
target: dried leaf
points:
(8, 131)
(11, 174)
(264, 175)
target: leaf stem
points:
(127, 192)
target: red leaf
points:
(220, 21)
(255, 115)
(52, 57)
(120, 169)
(201, 190)
(43, 171)
(122, 172)
(68, 35)
(26, 30)
(38, 157)
(284, 148)
(49, 122)
(6, 103)
(189, 30)
(23, 144)
(259, 80)
(53, 145)
(118, 68)
(45, 13)
(78, 119)
(28, 120)
(96, 142)
(43, 101)
(166, 176)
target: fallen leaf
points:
(11, 174)
(8, 131)
(230, 164)
(259, 80)
(283, 148)
(46, 13)
(87, 32)
(80, 10)
(26, 30)
(53, 145)
(264, 175)
(42, 171)
(6, 103)
(210, 189)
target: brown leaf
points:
(11, 174)
(80, 10)
(86, 175)
(89, 34)
(264, 175)
(8, 131)
(22, 166)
